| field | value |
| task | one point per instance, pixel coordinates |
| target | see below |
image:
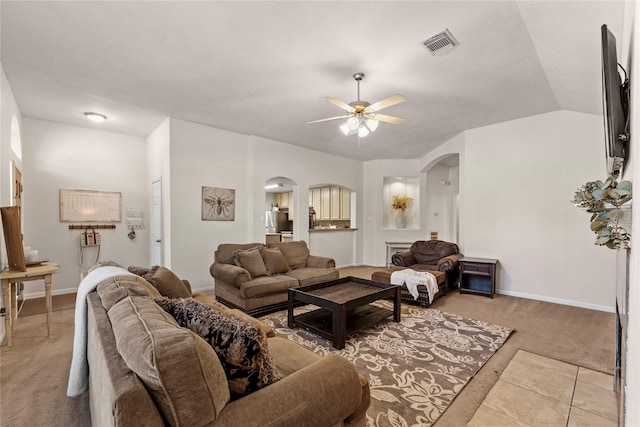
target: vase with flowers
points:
(400, 204)
(605, 200)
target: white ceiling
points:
(264, 68)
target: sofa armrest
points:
(322, 394)
(230, 274)
(403, 259)
(449, 263)
(315, 261)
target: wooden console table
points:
(10, 280)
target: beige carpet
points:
(34, 372)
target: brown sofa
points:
(435, 255)
(258, 287)
(145, 370)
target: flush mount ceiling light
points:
(362, 117)
(270, 186)
(95, 117)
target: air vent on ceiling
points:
(440, 43)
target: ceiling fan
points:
(363, 117)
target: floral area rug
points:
(416, 367)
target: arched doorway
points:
(280, 209)
(442, 195)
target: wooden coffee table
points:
(344, 307)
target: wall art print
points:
(218, 204)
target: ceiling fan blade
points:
(389, 119)
(385, 103)
(326, 120)
(335, 101)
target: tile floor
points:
(537, 391)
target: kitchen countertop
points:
(315, 230)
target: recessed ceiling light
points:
(95, 117)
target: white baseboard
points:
(557, 300)
(40, 294)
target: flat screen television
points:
(615, 99)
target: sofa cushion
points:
(267, 285)
(167, 283)
(296, 252)
(180, 370)
(251, 260)
(275, 261)
(240, 345)
(311, 276)
(115, 289)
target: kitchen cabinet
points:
(272, 238)
(316, 200)
(334, 209)
(325, 203)
(345, 204)
(331, 203)
(281, 199)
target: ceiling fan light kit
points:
(362, 117)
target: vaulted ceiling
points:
(264, 68)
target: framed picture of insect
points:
(218, 204)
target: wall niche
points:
(401, 186)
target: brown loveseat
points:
(435, 255)
(256, 278)
(145, 370)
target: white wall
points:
(374, 248)
(630, 51)
(307, 168)
(8, 109)
(158, 163)
(439, 214)
(517, 180)
(205, 156)
(62, 156)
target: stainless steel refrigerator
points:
(277, 221)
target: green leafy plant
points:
(604, 201)
(401, 202)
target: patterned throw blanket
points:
(412, 278)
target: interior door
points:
(156, 222)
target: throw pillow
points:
(274, 261)
(240, 345)
(296, 252)
(234, 312)
(250, 260)
(167, 283)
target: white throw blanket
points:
(412, 278)
(79, 373)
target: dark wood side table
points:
(478, 276)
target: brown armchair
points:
(431, 255)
